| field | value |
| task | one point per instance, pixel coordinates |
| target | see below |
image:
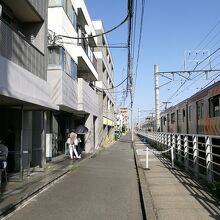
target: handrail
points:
(208, 160)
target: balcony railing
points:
(85, 45)
(87, 98)
(15, 47)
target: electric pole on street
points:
(157, 110)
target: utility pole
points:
(157, 110)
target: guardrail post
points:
(173, 145)
(147, 157)
(186, 150)
(169, 143)
(165, 146)
(195, 156)
(208, 152)
(179, 147)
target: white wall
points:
(19, 83)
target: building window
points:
(58, 58)
(214, 106)
(55, 57)
(73, 70)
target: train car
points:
(174, 119)
(199, 114)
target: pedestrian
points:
(78, 147)
(9, 142)
(72, 141)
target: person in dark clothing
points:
(9, 142)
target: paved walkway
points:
(171, 194)
(13, 193)
(103, 187)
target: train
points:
(199, 114)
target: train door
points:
(179, 121)
(200, 116)
(168, 123)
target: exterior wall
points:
(105, 81)
(63, 26)
(88, 99)
(74, 95)
(89, 146)
(64, 90)
(21, 84)
(39, 6)
(16, 49)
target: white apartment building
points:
(105, 86)
(24, 92)
(72, 67)
(48, 90)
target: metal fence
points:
(197, 153)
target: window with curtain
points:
(55, 57)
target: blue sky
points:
(170, 28)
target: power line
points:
(114, 86)
(139, 43)
(101, 34)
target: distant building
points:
(124, 112)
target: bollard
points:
(172, 157)
(147, 157)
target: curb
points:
(150, 210)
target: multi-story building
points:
(72, 67)
(105, 86)
(124, 112)
(24, 92)
(48, 90)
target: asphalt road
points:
(104, 187)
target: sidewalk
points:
(171, 194)
(105, 187)
(15, 193)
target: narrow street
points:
(103, 187)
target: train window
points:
(200, 109)
(214, 106)
(173, 118)
(184, 114)
(190, 113)
(164, 120)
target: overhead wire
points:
(139, 43)
(101, 34)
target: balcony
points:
(27, 6)
(87, 63)
(14, 47)
(64, 90)
(87, 98)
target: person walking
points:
(72, 141)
